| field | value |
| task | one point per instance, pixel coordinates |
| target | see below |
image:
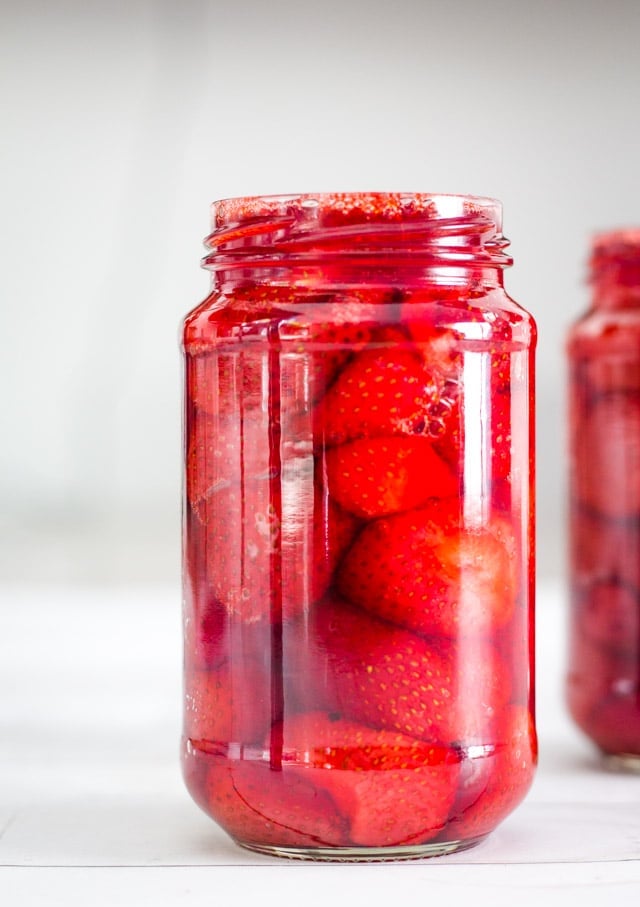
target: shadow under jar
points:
(604, 446)
(358, 527)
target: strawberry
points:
(269, 533)
(437, 344)
(243, 550)
(359, 209)
(421, 571)
(502, 412)
(320, 348)
(615, 723)
(224, 383)
(376, 476)
(380, 392)
(259, 806)
(217, 320)
(205, 629)
(223, 451)
(598, 675)
(307, 574)
(267, 546)
(384, 676)
(602, 547)
(609, 447)
(609, 614)
(228, 704)
(495, 776)
(393, 789)
(589, 677)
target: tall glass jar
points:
(604, 399)
(358, 527)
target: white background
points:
(122, 121)
(119, 123)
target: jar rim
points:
(353, 207)
(615, 257)
(620, 240)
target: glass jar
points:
(604, 446)
(358, 527)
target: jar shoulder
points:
(472, 313)
(603, 332)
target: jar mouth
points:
(332, 208)
(364, 228)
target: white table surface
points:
(93, 810)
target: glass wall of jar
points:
(604, 445)
(358, 527)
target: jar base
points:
(363, 854)
(622, 762)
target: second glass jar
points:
(358, 527)
(604, 446)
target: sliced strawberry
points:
(393, 789)
(496, 775)
(227, 704)
(380, 675)
(259, 806)
(380, 392)
(377, 476)
(422, 572)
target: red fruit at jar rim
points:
(358, 525)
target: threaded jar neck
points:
(359, 236)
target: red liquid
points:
(358, 577)
(604, 657)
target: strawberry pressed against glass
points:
(358, 527)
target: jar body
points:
(358, 571)
(604, 445)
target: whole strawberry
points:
(382, 391)
(376, 476)
(384, 676)
(422, 571)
